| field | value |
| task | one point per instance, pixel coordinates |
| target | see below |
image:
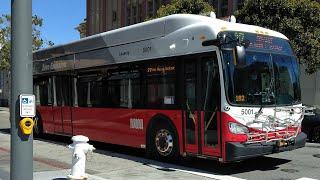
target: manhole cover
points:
(316, 155)
(289, 170)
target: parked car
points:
(311, 125)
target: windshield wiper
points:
(268, 95)
(257, 114)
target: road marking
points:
(305, 178)
(193, 171)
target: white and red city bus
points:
(178, 85)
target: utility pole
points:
(22, 83)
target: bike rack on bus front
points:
(274, 128)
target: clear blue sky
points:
(60, 17)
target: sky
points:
(60, 17)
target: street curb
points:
(59, 175)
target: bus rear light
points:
(237, 128)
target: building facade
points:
(105, 15)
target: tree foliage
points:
(82, 29)
(5, 38)
(184, 7)
(299, 20)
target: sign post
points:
(21, 166)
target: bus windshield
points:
(263, 78)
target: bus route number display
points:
(27, 105)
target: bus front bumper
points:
(237, 151)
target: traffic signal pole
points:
(21, 83)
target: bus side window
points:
(82, 92)
(114, 89)
(161, 85)
(63, 86)
(42, 91)
(123, 89)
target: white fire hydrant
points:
(80, 149)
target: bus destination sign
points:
(263, 42)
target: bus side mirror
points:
(241, 55)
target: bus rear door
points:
(62, 104)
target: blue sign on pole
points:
(25, 101)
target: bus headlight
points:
(237, 128)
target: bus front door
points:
(191, 114)
(201, 114)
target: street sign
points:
(27, 105)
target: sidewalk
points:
(52, 160)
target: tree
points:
(299, 20)
(184, 7)
(5, 38)
(82, 28)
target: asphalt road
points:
(117, 162)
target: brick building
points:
(105, 15)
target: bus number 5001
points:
(246, 111)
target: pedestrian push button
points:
(26, 125)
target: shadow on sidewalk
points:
(262, 163)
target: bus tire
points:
(37, 128)
(163, 143)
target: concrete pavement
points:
(54, 159)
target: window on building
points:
(150, 8)
(140, 10)
(128, 21)
(114, 16)
(134, 11)
(224, 8)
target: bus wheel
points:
(164, 143)
(37, 128)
